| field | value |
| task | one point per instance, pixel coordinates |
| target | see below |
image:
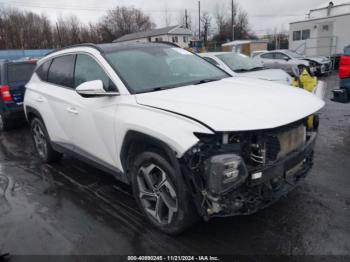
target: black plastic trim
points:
(90, 160)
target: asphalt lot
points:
(72, 208)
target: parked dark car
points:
(13, 77)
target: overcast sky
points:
(264, 15)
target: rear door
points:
(268, 60)
(18, 74)
(54, 96)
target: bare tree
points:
(185, 19)
(121, 21)
(167, 17)
(206, 22)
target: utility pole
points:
(232, 20)
(186, 19)
(199, 20)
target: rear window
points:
(19, 72)
(61, 71)
(43, 70)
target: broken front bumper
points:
(263, 187)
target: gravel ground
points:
(71, 208)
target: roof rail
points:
(77, 45)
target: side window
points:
(211, 60)
(87, 69)
(268, 56)
(305, 34)
(296, 35)
(61, 71)
(43, 70)
(280, 56)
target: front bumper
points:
(264, 187)
(324, 68)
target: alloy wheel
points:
(157, 194)
(39, 140)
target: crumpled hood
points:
(319, 59)
(276, 75)
(236, 103)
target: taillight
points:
(344, 67)
(5, 93)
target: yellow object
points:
(307, 81)
(310, 122)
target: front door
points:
(94, 117)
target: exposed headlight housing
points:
(224, 172)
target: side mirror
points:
(93, 89)
(287, 58)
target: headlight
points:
(224, 172)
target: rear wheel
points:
(42, 142)
(162, 194)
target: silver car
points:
(241, 65)
(286, 60)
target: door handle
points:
(39, 99)
(72, 110)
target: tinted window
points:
(268, 56)
(61, 71)
(280, 56)
(19, 72)
(43, 70)
(87, 69)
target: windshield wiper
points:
(203, 81)
(249, 70)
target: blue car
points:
(13, 77)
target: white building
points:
(324, 32)
(174, 34)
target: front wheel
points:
(42, 142)
(162, 194)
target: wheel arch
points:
(136, 142)
(31, 112)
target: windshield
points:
(239, 62)
(152, 68)
(293, 54)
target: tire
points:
(6, 123)
(157, 184)
(42, 142)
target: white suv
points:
(192, 141)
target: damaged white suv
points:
(192, 141)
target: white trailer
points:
(324, 33)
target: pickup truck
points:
(343, 94)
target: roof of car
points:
(111, 47)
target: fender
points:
(31, 110)
(135, 136)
